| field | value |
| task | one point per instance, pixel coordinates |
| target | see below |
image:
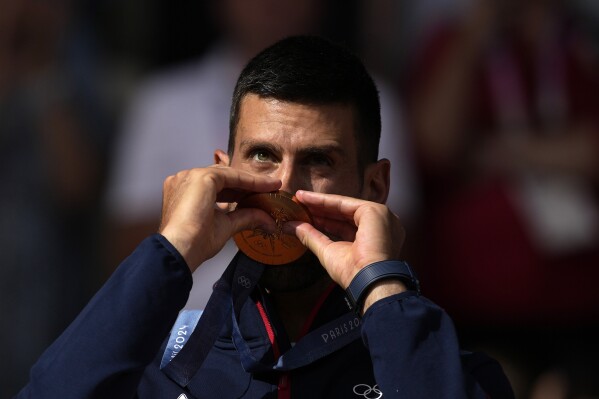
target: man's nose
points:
(292, 178)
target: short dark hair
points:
(312, 70)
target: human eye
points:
(261, 155)
(318, 160)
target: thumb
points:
(309, 236)
(250, 219)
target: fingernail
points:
(289, 227)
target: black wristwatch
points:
(377, 271)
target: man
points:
(305, 120)
(179, 116)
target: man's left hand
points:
(363, 232)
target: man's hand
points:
(194, 223)
(368, 232)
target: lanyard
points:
(237, 282)
(230, 293)
(315, 345)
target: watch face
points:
(274, 248)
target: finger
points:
(330, 205)
(310, 237)
(334, 229)
(230, 178)
(224, 207)
(232, 195)
(250, 219)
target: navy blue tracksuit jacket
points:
(407, 349)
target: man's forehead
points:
(256, 110)
(252, 100)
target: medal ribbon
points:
(230, 293)
(313, 346)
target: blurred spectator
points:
(51, 150)
(391, 30)
(587, 13)
(178, 118)
(504, 110)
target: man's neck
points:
(295, 307)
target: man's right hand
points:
(194, 223)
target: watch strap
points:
(377, 271)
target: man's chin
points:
(295, 276)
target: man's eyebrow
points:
(253, 144)
(322, 150)
(249, 144)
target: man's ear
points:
(221, 158)
(376, 183)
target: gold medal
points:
(275, 248)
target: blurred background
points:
(490, 118)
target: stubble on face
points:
(308, 147)
(296, 276)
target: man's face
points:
(306, 147)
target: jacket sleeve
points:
(415, 353)
(103, 353)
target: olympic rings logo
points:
(244, 281)
(368, 392)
